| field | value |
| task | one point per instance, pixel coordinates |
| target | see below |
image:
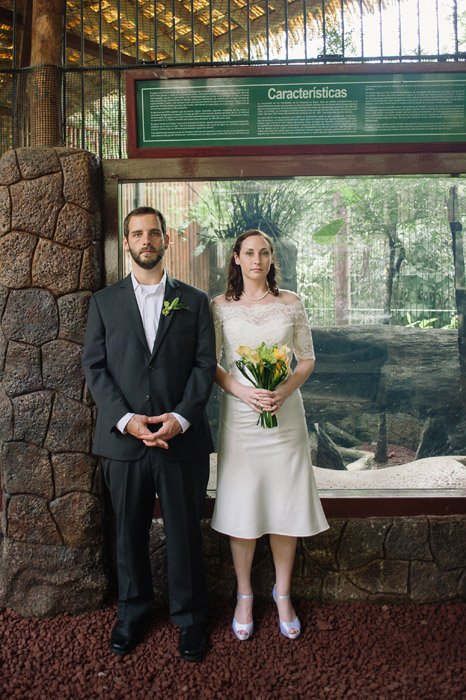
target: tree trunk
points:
(396, 257)
(341, 266)
(381, 452)
(460, 281)
(46, 57)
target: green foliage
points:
(226, 209)
(328, 233)
(407, 213)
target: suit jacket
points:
(124, 375)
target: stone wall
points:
(50, 240)
(385, 560)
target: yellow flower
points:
(265, 367)
(243, 350)
(282, 353)
(248, 354)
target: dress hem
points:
(255, 537)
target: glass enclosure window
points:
(372, 259)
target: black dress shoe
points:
(194, 643)
(124, 638)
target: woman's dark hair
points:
(141, 211)
(235, 276)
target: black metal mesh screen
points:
(103, 39)
(30, 109)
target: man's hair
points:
(140, 211)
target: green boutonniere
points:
(175, 305)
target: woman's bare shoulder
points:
(288, 297)
(220, 299)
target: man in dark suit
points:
(149, 361)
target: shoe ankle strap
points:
(277, 595)
(245, 595)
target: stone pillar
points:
(50, 241)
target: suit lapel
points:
(171, 292)
(128, 299)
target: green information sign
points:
(293, 110)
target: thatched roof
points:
(197, 30)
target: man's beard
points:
(150, 263)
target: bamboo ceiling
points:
(124, 32)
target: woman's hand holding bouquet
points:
(265, 367)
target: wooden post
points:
(46, 56)
(457, 237)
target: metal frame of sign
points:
(304, 84)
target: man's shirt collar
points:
(158, 287)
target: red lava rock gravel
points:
(347, 650)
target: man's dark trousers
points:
(181, 488)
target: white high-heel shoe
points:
(286, 627)
(240, 630)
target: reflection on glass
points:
(379, 265)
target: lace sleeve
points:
(218, 331)
(303, 346)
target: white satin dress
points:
(265, 479)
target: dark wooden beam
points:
(111, 56)
(6, 17)
(24, 48)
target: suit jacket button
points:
(151, 368)
(147, 397)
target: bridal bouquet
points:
(265, 367)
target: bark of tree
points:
(341, 266)
(46, 57)
(396, 257)
(460, 280)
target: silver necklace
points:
(259, 299)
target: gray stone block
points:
(362, 542)
(79, 519)
(56, 267)
(9, 170)
(73, 471)
(26, 469)
(29, 520)
(91, 269)
(322, 549)
(75, 227)
(36, 204)
(37, 161)
(428, 584)
(5, 210)
(448, 541)
(70, 426)
(16, 251)
(6, 417)
(22, 372)
(408, 539)
(337, 587)
(72, 309)
(382, 577)
(31, 316)
(62, 367)
(31, 416)
(45, 580)
(80, 177)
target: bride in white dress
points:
(265, 482)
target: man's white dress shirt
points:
(150, 299)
